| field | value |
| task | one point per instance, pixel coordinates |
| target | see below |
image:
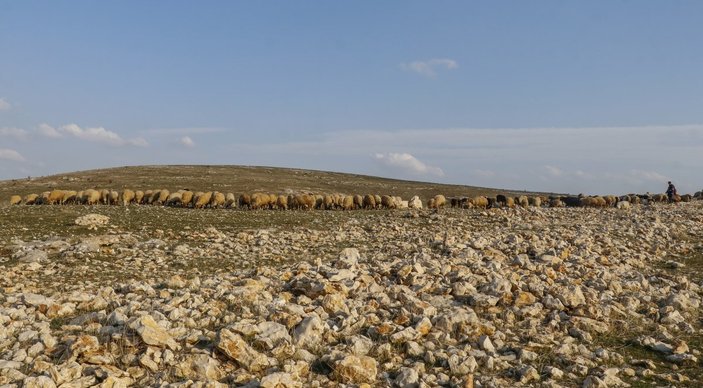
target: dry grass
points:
(235, 179)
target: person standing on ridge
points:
(671, 191)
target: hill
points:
(237, 179)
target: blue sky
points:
(601, 96)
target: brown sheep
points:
(31, 199)
(187, 198)
(282, 202)
(138, 197)
(686, 198)
(174, 199)
(162, 197)
(348, 202)
(127, 197)
(69, 197)
(510, 202)
(92, 197)
(328, 202)
(259, 200)
(388, 202)
(202, 200)
(15, 200)
(535, 201)
(55, 196)
(217, 200)
(439, 201)
(369, 202)
(610, 200)
(556, 202)
(273, 199)
(358, 201)
(523, 201)
(230, 201)
(147, 197)
(480, 202)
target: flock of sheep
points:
(199, 200)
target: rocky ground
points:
(498, 298)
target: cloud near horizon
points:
(96, 135)
(17, 133)
(407, 163)
(186, 141)
(12, 155)
(430, 67)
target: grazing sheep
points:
(230, 201)
(128, 197)
(377, 199)
(328, 202)
(348, 202)
(187, 198)
(388, 202)
(138, 197)
(217, 200)
(480, 202)
(69, 197)
(523, 201)
(369, 202)
(259, 200)
(358, 201)
(571, 201)
(114, 197)
(31, 199)
(510, 202)
(492, 202)
(438, 202)
(501, 200)
(162, 197)
(55, 196)
(202, 200)
(15, 200)
(147, 197)
(175, 199)
(535, 201)
(282, 202)
(610, 200)
(556, 202)
(90, 197)
(623, 205)
(415, 203)
(686, 198)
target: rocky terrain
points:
(147, 296)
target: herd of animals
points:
(199, 200)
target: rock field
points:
(460, 298)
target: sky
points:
(560, 96)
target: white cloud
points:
(49, 131)
(17, 133)
(8, 154)
(430, 67)
(187, 142)
(408, 163)
(182, 131)
(101, 135)
(4, 105)
(554, 171)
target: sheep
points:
(282, 202)
(114, 197)
(91, 197)
(501, 200)
(162, 197)
(55, 196)
(348, 202)
(146, 197)
(31, 199)
(509, 202)
(175, 199)
(69, 197)
(127, 197)
(138, 196)
(556, 202)
(306, 201)
(358, 201)
(15, 200)
(535, 201)
(686, 198)
(623, 205)
(186, 198)
(480, 202)
(259, 200)
(217, 200)
(439, 201)
(328, 202)
(610, 200)
(571, 201)
(105, 196)
(202, 200)
(369, 202)
(388, 202)
(415, 203)
(523, 201)
(230, 200)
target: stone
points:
(39, 382)
(279, 380)
(153, 334)
(308, 333)
(571, 296)
(485, 344)
(199, 367)
(30, 299)
(234, 347)
(92, 221)
(271, 335)
(356, 369)
(462, 366)
(407, 378)
(348, 258)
